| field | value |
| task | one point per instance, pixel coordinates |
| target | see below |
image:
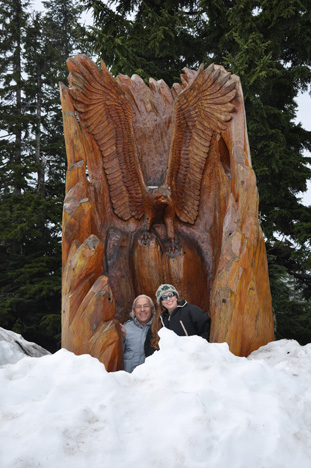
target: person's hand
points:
(123, 331)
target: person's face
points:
(170, 303)
(142, 310)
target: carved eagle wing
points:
(203, 107)
(103, 109)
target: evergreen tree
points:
(153, 38)
(14, 172)
(12, 122)
(30, 248)
(267, 44)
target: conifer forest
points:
(267, 43)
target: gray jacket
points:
(133, 346)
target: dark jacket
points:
(185, 320)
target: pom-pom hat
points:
(163, 289)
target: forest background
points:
(267, 43)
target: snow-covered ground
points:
(192, 404)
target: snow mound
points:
(13, 347)
(193, 404)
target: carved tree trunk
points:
(220, 263)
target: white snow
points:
(193, 404)
(13, 347)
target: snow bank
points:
(192, 404)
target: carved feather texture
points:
(103, 109)
(203, 107)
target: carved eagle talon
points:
(174, 248)
(146, 237)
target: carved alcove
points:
(159, 188)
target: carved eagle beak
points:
(161, 199)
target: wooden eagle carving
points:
(159, 189)
(202, 108)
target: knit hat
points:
(164, 288)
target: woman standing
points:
(135, 331)
(177, 315)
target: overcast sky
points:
(304, 117)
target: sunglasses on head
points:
(169, 295)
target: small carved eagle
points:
(201, 108)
